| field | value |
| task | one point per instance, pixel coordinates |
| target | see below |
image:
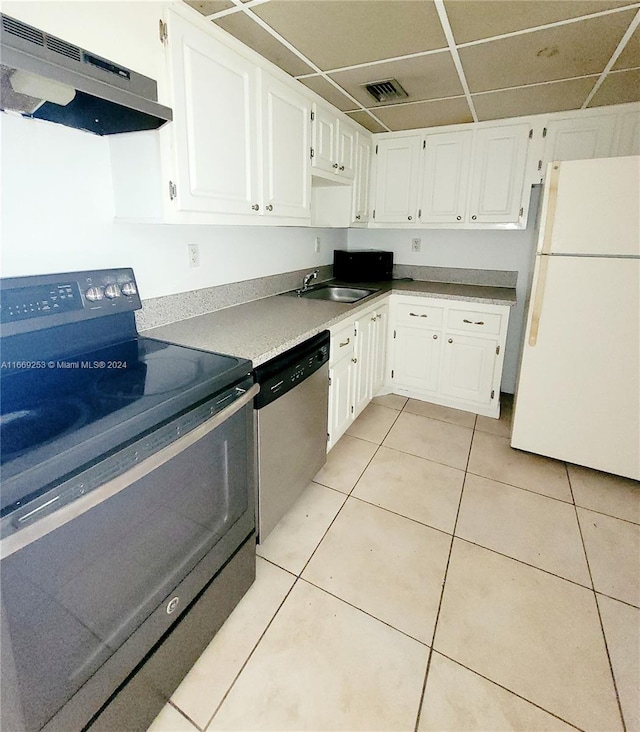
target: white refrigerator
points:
(578, 392)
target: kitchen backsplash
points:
(486, 277)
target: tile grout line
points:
(595, 597)
(444, 582)
(509, 691)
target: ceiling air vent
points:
(22, 30)
(66, 49)
(386, 91)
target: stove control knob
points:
(94, 293)
(112, 291)
(129, 289)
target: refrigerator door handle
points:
(538, 299)
(552, 199)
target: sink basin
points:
(336, 293)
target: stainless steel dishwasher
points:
(291, 415)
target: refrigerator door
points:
(578, 396)
(592, 207)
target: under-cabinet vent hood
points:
(45, 77)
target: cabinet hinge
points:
(352, 409)
(531, 134)
(522, 211)
(328, 437)
(312, 152)
(539, 164)
(394, 334)
(497, 354)
(376, 149)
(374, 213)
(392, 372)
(544, 131)
(330, 379)
(162, 31)
(493, 393)
(313, 116)
(419, 213)
(173, 190)
(424, 144)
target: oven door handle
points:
(48, 523)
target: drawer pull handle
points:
(478, 322)
(416, 315)
(346, 343)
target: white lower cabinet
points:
(356, 367)
(448, 352)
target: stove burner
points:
(25, 429)
(142, 379)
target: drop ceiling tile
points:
(333, 33)
(618, 88)
(539, 99)
(556, 53)
(425, 114)
(209, 7)
(251, 34)
(630, 56)
(471, 20)
(328, 91)
(426, 77)
(362, 118)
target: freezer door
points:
(592, 207)
(578, 396)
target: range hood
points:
(44, 77)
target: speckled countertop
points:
(261, 329)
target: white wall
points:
(57, 216)
(501, 250)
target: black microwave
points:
(365, 265)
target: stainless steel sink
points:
(335, 293)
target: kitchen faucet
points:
(307, 279)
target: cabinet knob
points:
(410, 218)
(474, 217)
(342, 167)
(435, 337)
(255, 207)
(450, 340)
(355, 360)
(458, 218)
(358, 217)
(335, 165)
(373, 320)
(269, 207)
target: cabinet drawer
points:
(419, 315)
(474, 321)
(342, 343)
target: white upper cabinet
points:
(396, 190)
(215, 114)
(334, 144)
(286, 171)
(579, 138)
(362, 180)
(629, 134)
(446, 162)
(497, 179)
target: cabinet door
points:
(467, 368)
(397, 161)
(379, 350)
(579, 138)
(285, 152)
(340, 398)
(629, 134)
(362, 180)
(364, 345)
(499, 159)
(346, 150)
(446, 166)
(416, 358)
(324, 140)
(215, 113)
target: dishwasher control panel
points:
(284, 372)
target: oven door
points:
(89, 588)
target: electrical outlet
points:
(416, 245)
(317, 244)
(194, 255)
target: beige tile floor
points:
(432, 578)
